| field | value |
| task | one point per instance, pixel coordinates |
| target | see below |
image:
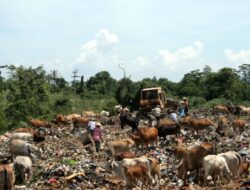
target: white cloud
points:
(240, 57)
(180, 56)
(97, 55)
(101, 43)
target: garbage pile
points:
(64, 162)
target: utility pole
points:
(75, 76)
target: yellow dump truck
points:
(151, 97)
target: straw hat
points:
(98, 124)
(184, 98)
(126, 109)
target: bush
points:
(196, 101)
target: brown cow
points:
(80, 122)
(121, 155)
(71, 117)
(239, 124)
(222, 124)
(89, 114)
(61, 120)
(39, 123)
(7, 177)
(145, 136)
(117, 146)
(197, 124)
(192, 160)
(136, 172)
(221, 109)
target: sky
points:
(144, 38)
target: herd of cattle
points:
(122, 154)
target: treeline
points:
(32, 93)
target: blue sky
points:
(162, 38)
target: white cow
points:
(233, 160)
(118, 167)
(22, 148)
(22, 136)
(215, 166)
(23, 168)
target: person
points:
(185, 100)
(157, 112)
(173, 116)
(181, 109)
(91, 125)
(97, 136)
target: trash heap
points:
(65, 163)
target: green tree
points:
(126, 92)
(225, 83)
(27, 94)
(102, 83)
(191, 84)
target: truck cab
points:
(151, 97)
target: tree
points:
(126, 92)
(244, 71)
(191, 84)
(102, 83)
(27, 94)
(225, 83)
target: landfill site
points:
(64, 156)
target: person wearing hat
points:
(181, 109)
(157, 112)
(185, 105)
(91, 125)
(97, 137)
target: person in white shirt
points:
(91, 125)
(173, 116)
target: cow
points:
(168, 127)
(39, 123)
(222, 124)
(80, 122)
(122, 155)
(180, 150)
(239, 124)
(7, 177)
(136, 172)
(233, 160)
(22, 136)
(23, 168)
(37, 136)
(221, 109)
(61, 120)
(23, 148)
(155, 168)
(192, 160)
(88, 114)
(216, 166)
(69, 118)
(118, 167)
(197, 124)
(145, 136)
(118, 146)
(126, 119)
(244, 110)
